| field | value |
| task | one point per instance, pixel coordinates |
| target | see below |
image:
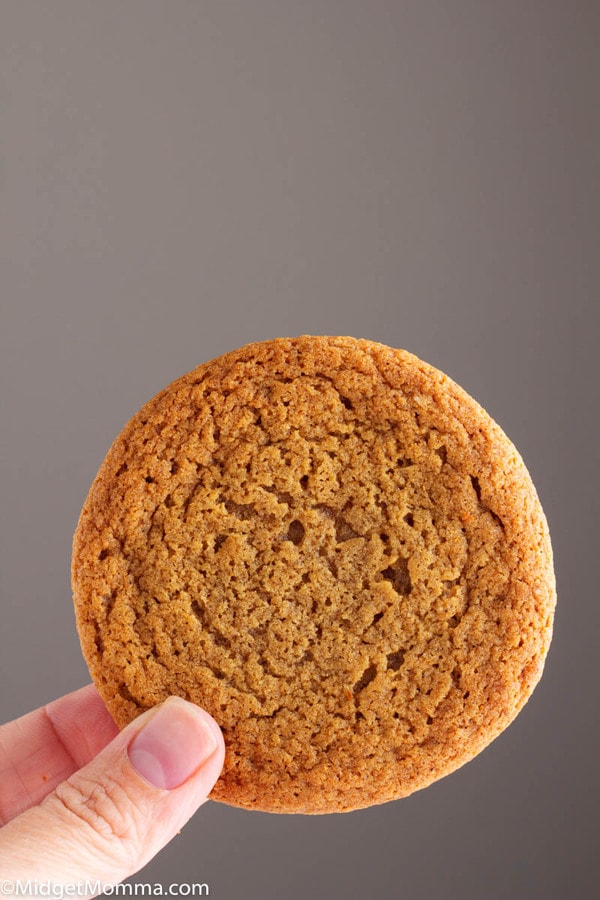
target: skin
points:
(81, 801)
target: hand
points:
(80, 801)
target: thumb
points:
(112, 816)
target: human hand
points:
(82, 802)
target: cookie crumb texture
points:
(333, 549)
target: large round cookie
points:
(332, 548)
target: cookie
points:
(332, 548)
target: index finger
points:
(42, 748)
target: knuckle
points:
(106, 811)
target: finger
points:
(44, 747)
(109, 819)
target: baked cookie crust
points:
(331, 547)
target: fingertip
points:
(209, 721)
(176, 742)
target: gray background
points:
(180, 178)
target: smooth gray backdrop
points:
(179, 178)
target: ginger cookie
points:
(332, 548)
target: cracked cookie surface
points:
(332, 548)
